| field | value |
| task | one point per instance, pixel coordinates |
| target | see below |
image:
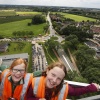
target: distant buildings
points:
(95, 29)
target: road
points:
(94, 46)
(64, 58)
(52, 31)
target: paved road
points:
(52, 31)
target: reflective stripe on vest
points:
(2, 82)
(25, 85)
(36, 85)
(62, 91)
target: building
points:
(3, 47)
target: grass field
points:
(20, 47)
(7, 16)
(14, 13)
(16, 47)
(27, 13)
(76, 17)
(7, 29)
(7, 13)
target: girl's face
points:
(18, 72)
(54, 77)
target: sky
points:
(65, 3)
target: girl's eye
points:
(59, 79)
(53, 75)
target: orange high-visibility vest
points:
(38, 85)
(20, 90)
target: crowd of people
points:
(17, 84)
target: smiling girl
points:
(15, 81)
(50, 85)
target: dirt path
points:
(57, 55)
(73, 61)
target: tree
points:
(29, 24)
(74, 76)
(84, 58)
(73, 41)
(30, 33)
(52, 43)
(92, 74)
(38, 19)
(73, 30)
(67, 45)
(96, 63)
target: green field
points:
(7, 29)
(14, 13)
(20, 47)
(7, 13)
(17, 47)
(27, 13)
(76, 17)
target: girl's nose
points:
(55, 79)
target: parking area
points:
(38, 57)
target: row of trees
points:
(23, 33)
(88, 13)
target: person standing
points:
(15, 81)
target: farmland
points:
(7, 29)
(77, 18)
(14, 13)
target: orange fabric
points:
(66, 92)
(7, 92)
(42, 86)
(0, 77)
(55, 98)
(41, 89)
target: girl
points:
(50, 85)
(15, 81)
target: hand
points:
(97, 86)
(42, 99)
